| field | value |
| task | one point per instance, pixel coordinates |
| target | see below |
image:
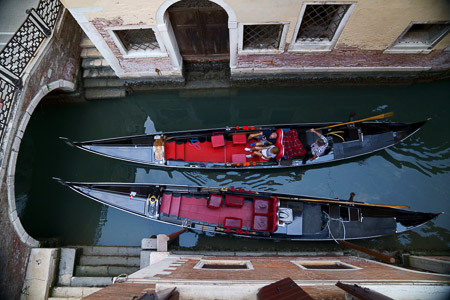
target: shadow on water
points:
(414, 173)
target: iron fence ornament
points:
(20, 50)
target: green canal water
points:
(415, 173)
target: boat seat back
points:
(261, 206)
(279, 144)
(175, 205)
(260, 223)
(215, 201)
(179, 151)
(233, 200)
(233, 222)
(239, 139)
(217, 141)
(166, 201)
(238, 158)
(169, 150)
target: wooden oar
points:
(383, 257)
(382, 116)
(343, 202)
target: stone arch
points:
(11, 170)
(164, 27)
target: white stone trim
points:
(248, 264)
(262, 51)
(161, 52)
(168, 36)
(302, 262)
(95, 37)
(11, 169)
(422, 48)
(319, 46)
(326, 69)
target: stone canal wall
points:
(54, 67)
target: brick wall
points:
(130, 65)
(59, 60)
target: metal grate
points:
(48, 10)
(320, 22)
(20, 50)
(138, 39)
(426, 33)
(262, 36)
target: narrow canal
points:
(415, 172)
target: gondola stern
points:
(60, 181)
(67, 141)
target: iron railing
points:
(20, 50)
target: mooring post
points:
(176, 234)
(162, 240)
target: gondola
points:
(254, 214)
(227, 148)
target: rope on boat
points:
(329, 229)
(335, 133)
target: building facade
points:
(143, 39)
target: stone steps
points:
(99, 80)
(107, 250)
(84, 270)
(110, 260)
(113, 271)
(104, 93)
(72, 293)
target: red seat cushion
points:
(260, 223)
(215, 201)
(240, 139)
(217, 141)
(261, 206)
(233, 222)
(279, 144)
(238, 158)
(232, 200)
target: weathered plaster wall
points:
(371, 28)
(146, 65)
(56, 63)
(373, 25)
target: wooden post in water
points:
(383, 257)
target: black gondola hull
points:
(258, 215)
(195, 149)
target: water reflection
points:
(415, 172)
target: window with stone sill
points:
(262, 38)
(420, 37)
(139, 42)
(320, 25)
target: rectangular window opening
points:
(223, 265)
(320, 22)
(138, 39)
(424, 35)
(331, 265)
(267, 36)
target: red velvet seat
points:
(233, 222)
(260, 223)
(217, 141)
(261, 206)
(215, 201)
(232, 200)
(239, 139)
(238, 158)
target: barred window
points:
(264, 36)
(426, 34)
(320, 22)
(138, 39)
